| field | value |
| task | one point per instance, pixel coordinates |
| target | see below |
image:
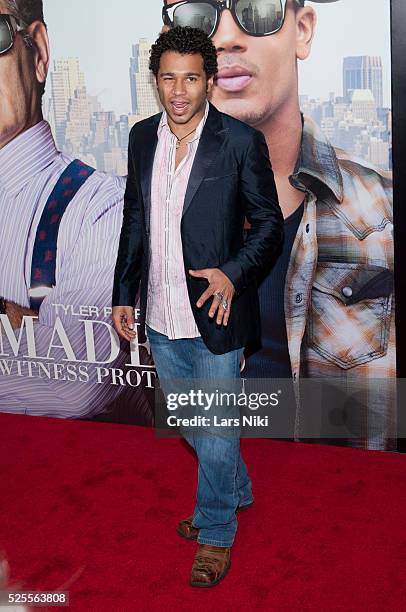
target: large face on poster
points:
(314, 78)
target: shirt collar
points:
(317, 160)
(26, 155)
(198, 132)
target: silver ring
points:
(219, 295)
(224, 304)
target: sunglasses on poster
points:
(254, 17)
(9, 27)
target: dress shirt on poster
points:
(30, 166)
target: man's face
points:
(257, 75)
(19, 87)
(182, 85)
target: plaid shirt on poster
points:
(339, 301)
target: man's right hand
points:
(124, 322)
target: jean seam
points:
(214, 542)
(250, 501)
(196, 514)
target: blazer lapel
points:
(210, 142)
(146, 154)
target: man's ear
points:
(38, 32)
(165, 28)
(210, 83)
(306, 20)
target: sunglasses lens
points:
(197, 15)
(5, 36)
(260, 16)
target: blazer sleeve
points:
(127, 274)
(260, 198)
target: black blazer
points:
(231, 178)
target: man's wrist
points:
(233, 271)
(3, 306)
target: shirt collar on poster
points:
(164, 123)
(317, 159)
(26, 155)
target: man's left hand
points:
(15, 314)
(222, 290)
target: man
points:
(194, 174)
(35, 179)
(333, 318)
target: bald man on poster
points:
(47, 274)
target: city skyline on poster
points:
(94, 122)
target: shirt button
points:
(347, 292)
(299, 298)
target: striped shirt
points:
(30, 166)
(168, 306)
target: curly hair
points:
(187, 41)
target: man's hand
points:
(222, 290)
(124, 322)
(15, 314)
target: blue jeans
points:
(223, 481)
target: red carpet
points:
(92, 508)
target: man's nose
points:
(229, 37)
(179, 87)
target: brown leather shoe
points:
(186, 529)
(210, 566)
